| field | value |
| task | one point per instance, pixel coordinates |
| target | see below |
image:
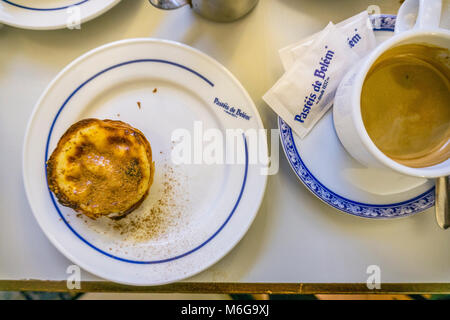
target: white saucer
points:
(156, 86)
(329, 172)
(50, 14)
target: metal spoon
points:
(442, 202)
(169, 4)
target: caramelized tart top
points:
(101, 167)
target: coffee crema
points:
(405, 104)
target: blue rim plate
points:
(404, 208)
(39, 15)
(208, 222)
(18, 5)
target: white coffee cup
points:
(347, 108)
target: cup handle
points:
(428, 13)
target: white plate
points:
(213, 205)
(50, 14)
(330, 173)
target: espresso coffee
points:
(405, 104)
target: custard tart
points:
(101, 168)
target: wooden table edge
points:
(229, 288)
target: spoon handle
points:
(441, 204)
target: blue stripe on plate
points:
(81, 237)
(43, 9)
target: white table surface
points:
(295, 237)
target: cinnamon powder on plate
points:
(162, 217)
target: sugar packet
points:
(306, 91)
(358, 33)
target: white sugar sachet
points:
(306, 91)
(358, 33)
